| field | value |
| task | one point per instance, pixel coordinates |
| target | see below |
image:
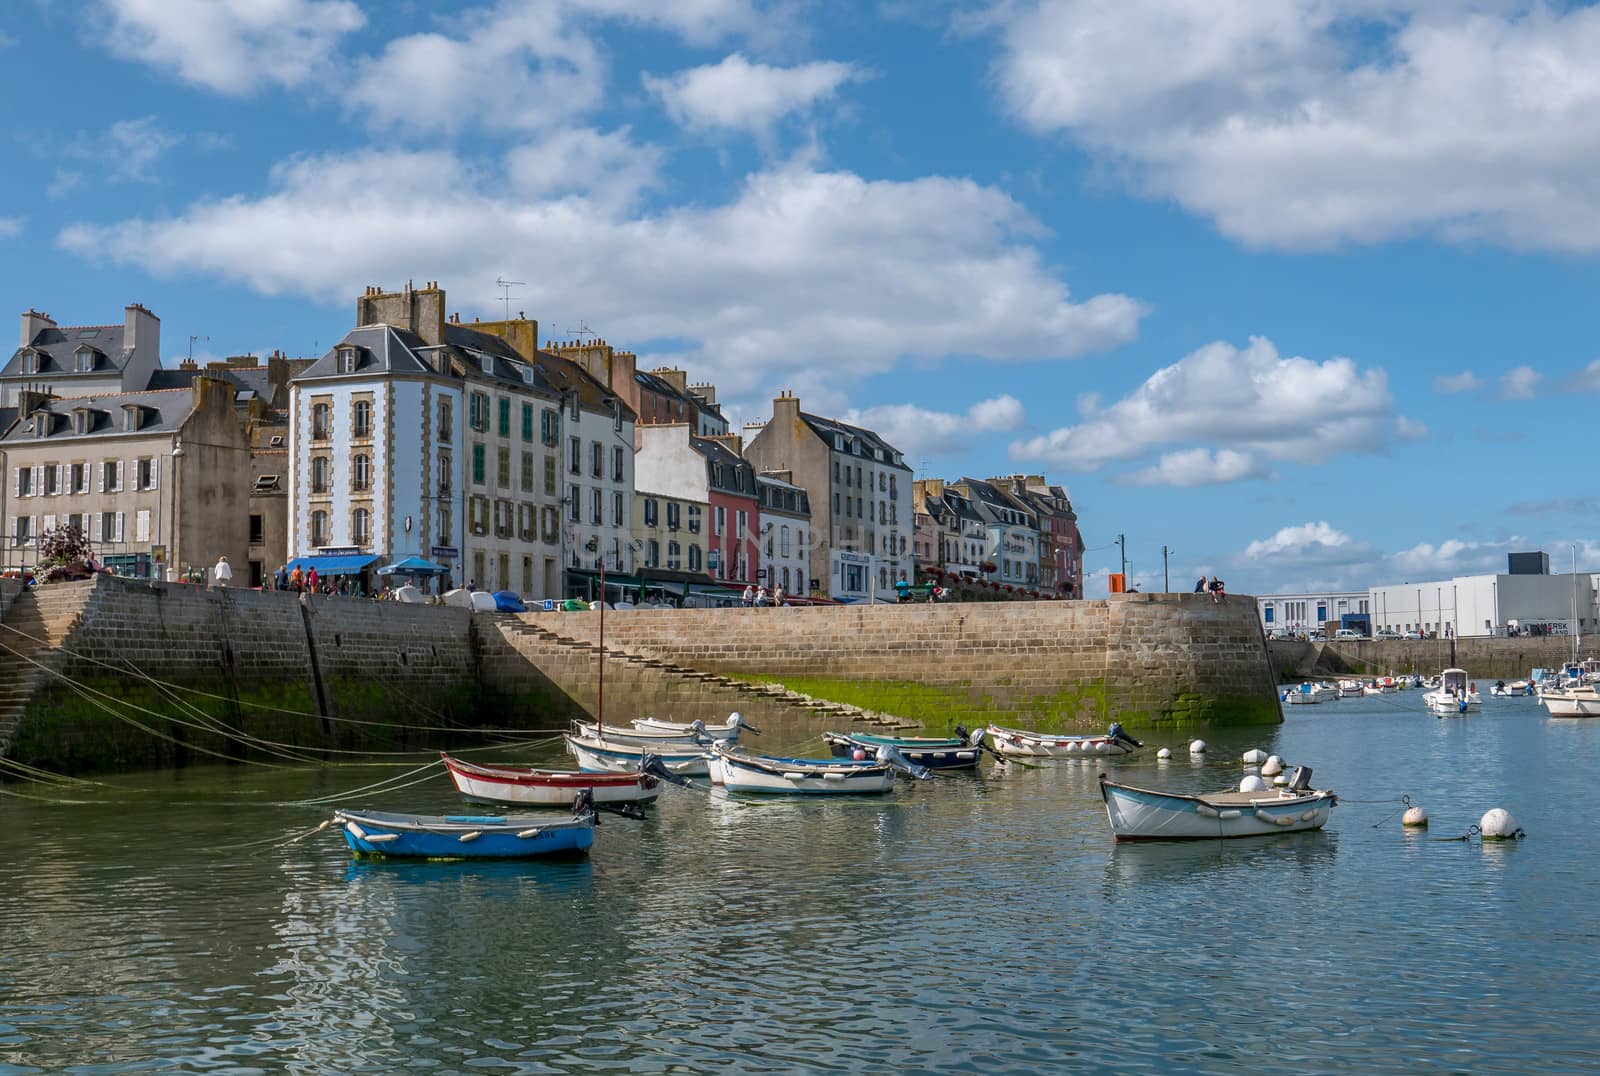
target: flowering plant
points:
(62, 553)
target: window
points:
(257, 529)
(361, 471)
(24, 482)
(360, 526)
(616, 509)
(744, 526)
(361, 419)
(597, 459)
(504, 519)
(22, 528)
(108, 526)
(574, 455)
(836, 504)
(719, 521)
(550, 427)
(572, 406)
(616, 415)
(141, 525)
(111, 476)
(445, 516)
(445, 423)
(505, 416)
(321, 422)
(51, 480)
(319, 528)
(674, 512)
(574, 503)
(320, 468)
(550, 476)
(444, 474)
(78, 478)
(502, 470)
(527, 472)
(527, 428)
(616, 463)
(783, 540)
(694, 557)
(675, 555)
(478, 411)
(694, 519)
(652, 556)
(650, 511)
(479, 465)
(836, 470)
(596, 516)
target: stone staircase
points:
(34, 622)
(540, 644)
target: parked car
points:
(1413, 634)
(1348, 633)
(1387, 635)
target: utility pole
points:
(1122, 544)
(1166, 576)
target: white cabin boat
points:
(1454, 696)
(1144, 814)
(1351, 689)
(1572, 702)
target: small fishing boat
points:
(692, 733)
(1304, 695)
(1571, 702)
(1516, 689)
(739, 771)
(1144, 814)
(379, 833)
(958, 752)
(529, 787)
(727, 731)
(1454, 695)
(603, 754)
(1383, 685)
(1351, 689)
(1023, 743)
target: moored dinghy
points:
(728, 730)
(603, 754)
(1023, 743)
(526, 786)
(1145, 814)
(1454, 695)
(420, 836)
(740, 771)
(958, 752)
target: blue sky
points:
(1302, 290)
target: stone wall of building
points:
(1145, 659)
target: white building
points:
(785, 534)
(1313, 611)
(1483, 605)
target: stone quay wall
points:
(1483, 658)
(1145, 659)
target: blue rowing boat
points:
(421, 836)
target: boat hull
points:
(716, 732)
(932, 753)
(1444, 705)
(799, 777)
(1571, 703)
(1020, 743)
(1138, 814)
(613, 756)
(527, 787)
(668, 738)
(371, 833)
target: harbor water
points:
(978, 924)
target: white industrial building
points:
(1483, 605)
(1313, 611)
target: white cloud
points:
(1251, 401)
(1197, 467)
(236, 47)
(740, 95)
(1520, 383)
(1585, 380)
(1311, 123)
(131, 148)
(1451, 557)
(63, 183)
(603, 166)
(10, 227)
(1409, 429)
(802, 273)
(1307, 539)
(917, 431)
(1450, 384)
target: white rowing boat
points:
(1145, 814)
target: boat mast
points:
(1577, 632)
(600, 696)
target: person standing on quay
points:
(749, 598)
(222, 574)
(312, 579)
(297, 580)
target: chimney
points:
(674, 377)
(786, 409)
(188, 364)
(29, 401)
(421, 311)
(33, 323)
(141, 330)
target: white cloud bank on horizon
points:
(918, 431)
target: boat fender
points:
(1497, 824)
(1272, 766)
(1254, 757)
(1281, 781)
(470, 835)
(1102, 748)
(1307, 816)
(858, 755)
(794, 776)
(529, 834)
(1197, 747)
(963, 755)
(380, 838)
(1415, 817)
(1278, 820)
(1230, 813)
(1165, 752)
(1206, 810)
(833, 777)
(1252, 783)
(356, 831)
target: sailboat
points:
(1574, 698)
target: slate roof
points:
(8, 415)
(58, 345)
(858, 440)
(733, 466)
(988, 496)
(167, 410)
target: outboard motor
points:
(583, 803)
(891, 755)
(1119, 736)
(978, 734)
(737, 720)
(961, 733)
(1300, 780)
(652, 764)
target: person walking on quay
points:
(777, 596)
(222, 574)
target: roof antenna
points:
(506, 286)
(192, 339)
(583, 330)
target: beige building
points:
(669, 531)
(159, 480)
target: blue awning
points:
(340, 565)
(412, 566)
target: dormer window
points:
(347, 360)
(86, 359)
(132, 418)
(42, 421)
(80, 421)
(487, 363)
(30, 361)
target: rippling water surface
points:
(977, 924)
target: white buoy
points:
(1272, 767)
(1415, 817)
(1252, 784)
(1165, 752)
(1197, 747)
(1280, 781)
(1254, 757)
(1498, 825)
